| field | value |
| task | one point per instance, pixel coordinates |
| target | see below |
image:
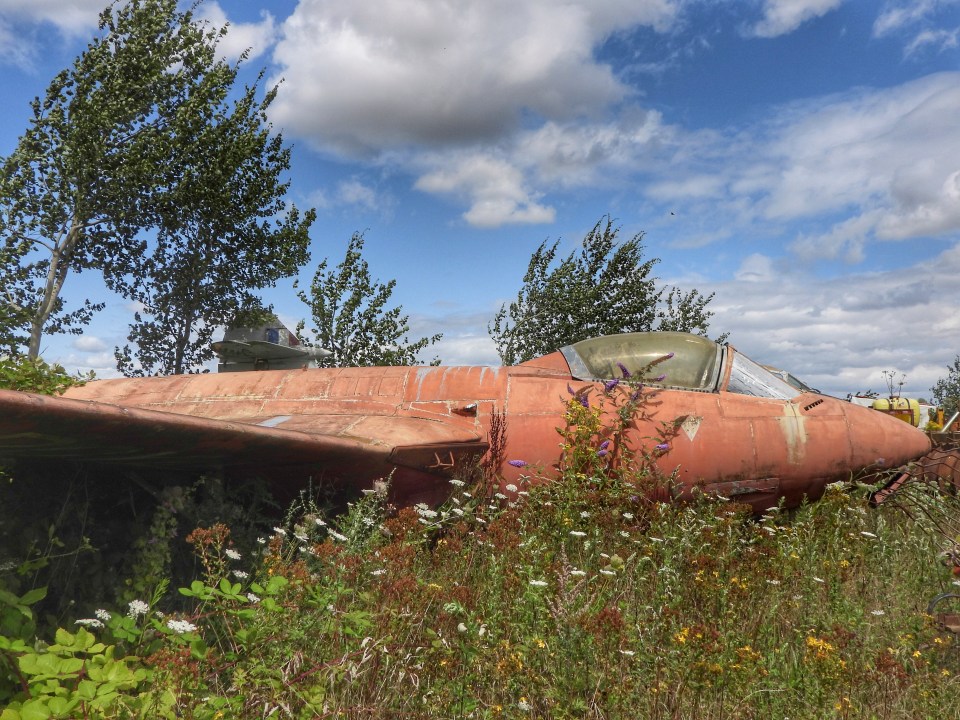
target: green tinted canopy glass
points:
(695, 365)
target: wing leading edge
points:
(56, 428)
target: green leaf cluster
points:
(605, 288)
(18, 372)
(946, 391)
(136, 165)
(352, 317)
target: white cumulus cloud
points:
(362, 78)
(784, 16)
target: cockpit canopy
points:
(697, 363)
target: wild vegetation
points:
(605, 287)
(352, 318)
(946, 391)
(579, 597)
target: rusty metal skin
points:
(424, 424)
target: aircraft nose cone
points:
(881, 440)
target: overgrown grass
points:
(577, 600)
(579, 597)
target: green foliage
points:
(19, 372)
(604, 289)
(946, 392)
(117, 145)
(352, 319)
(230, 231)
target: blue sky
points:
(799, 158)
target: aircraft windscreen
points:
(750, 378)
(695, 364)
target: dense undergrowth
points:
(579, 597)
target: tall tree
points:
(351, 317)
(946, 392)
(604, 288)
(230, 233)
(97, 164)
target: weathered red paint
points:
(356, 425)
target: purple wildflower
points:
(518, 463)
(571, 390)
(659, 378)
(602, 453)
(635, 395)
(663, 447)
(623, 369)
(584, 400)
(605, 444)
(668, 356)
(610, 385)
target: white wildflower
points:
(878, 613)
(609, 573)
(773, 582)
(538, 583)
(624, 533)
(103, 615)
(338, 536)
(510, 487)
(819, 580)
(461, 628)
(482, 631)
(867, 534)
(241, 574)
(500, 496)
(137, 608)
(628, 516)
(584, 514)
(253, 598)
(301, 537)
(279, 531)
(457, 483)
(181, 626)
(466, 494)
(628, 653)
(319, 522)
(378, 571)
(232, 554)
(524, 705)
(369, 522)
(261, 541)
(578, 533)
(458, 511)
(90, 622)
(578, 573)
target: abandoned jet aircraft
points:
(740, 431)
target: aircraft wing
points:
(56, 428)
(260, 349)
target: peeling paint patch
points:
(691, 425)
(421, 375)
(794, 433)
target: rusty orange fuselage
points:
(420, 423)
